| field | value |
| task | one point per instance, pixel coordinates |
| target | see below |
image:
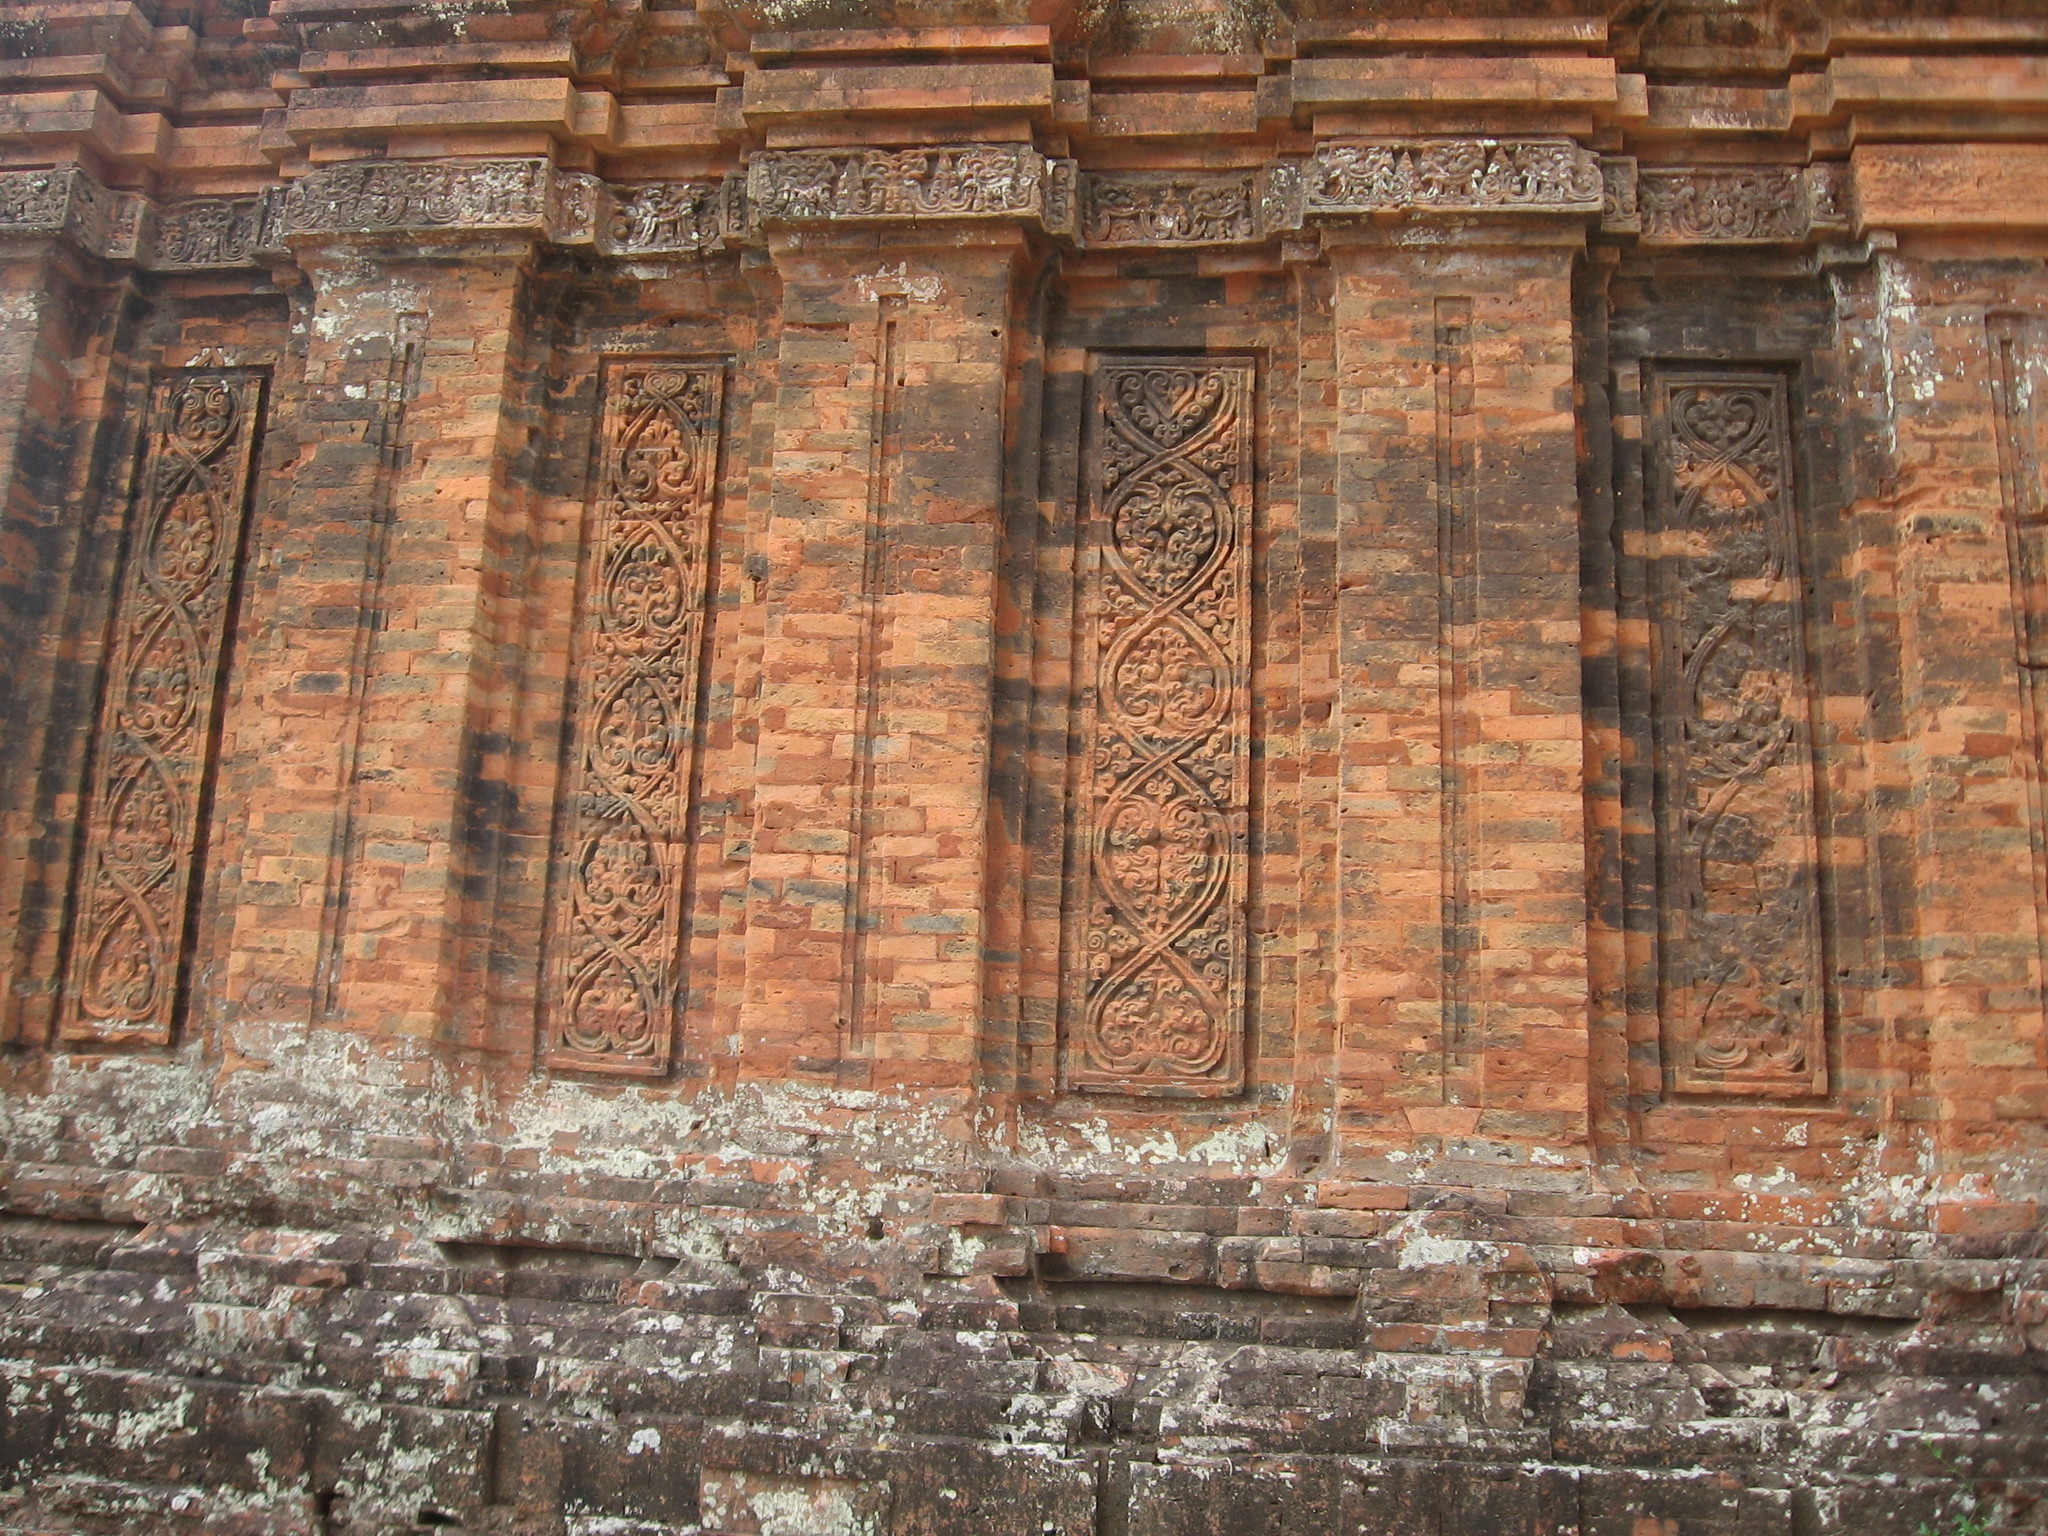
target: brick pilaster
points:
(1461, 986)
(60, 486)
(375, 671)
(865, 912)
(1964, 364)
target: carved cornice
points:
(189, 233)
(1464, 175)
(425, 196)
(1714, 206)
(1110, 210)
(67, 203)
(1724, 204)
(381, 198)
(873, 186)
(42, 202)
(202, 232)
(527, 195)
(1154, 208)
(661, 217)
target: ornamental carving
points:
(1059, 199)
(949, 182)
(1827, 197)
(575, 199)
(1384, 175)
(1733, 205)
(1142, 208)
(660, 218)
(1743, 999)
(379, 196)
(1166, 783)
(618, 930)
(66, 201)
(35, 200)
(1618, 211)
(153, 744)
(1282, 196)
(208, 232)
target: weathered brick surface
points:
(1163, 767)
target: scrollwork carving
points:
(1160, 1001)
(1453, 175)
(618, 930)
(1743, 978)
(153, 744)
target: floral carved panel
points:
(1743, 989)
(1158, 1003)
(617, 939)
(153, 746)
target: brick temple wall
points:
(1147, 768)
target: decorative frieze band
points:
(1453, 175)
(1665, 205)
(65, 201)
(212, 232)
(662, 217)
(520, 195)
(1149, 208)
(386, 196)
(838, 186)
(1724, 204)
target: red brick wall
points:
(1478, 576)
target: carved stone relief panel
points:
(1743, 989)
(617, 932)
(153, 745)
(1157, 1004)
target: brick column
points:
(865, 917)
(374, 666)
(1461, 881)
